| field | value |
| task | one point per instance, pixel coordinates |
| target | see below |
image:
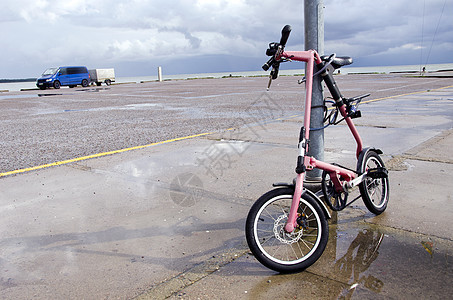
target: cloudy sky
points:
(194, 36)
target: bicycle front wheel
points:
(272, 245)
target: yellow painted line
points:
(402, 95)
(58, 163)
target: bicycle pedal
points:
(377, 173)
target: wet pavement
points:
(361, 261)
(167, 220)
(48, 126)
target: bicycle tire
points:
(272, 246)
(374, 192)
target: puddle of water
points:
(46, 95)
(72, 110)
(367, 262)
(109, 108)
(50, 94)
(93, 90)
(351, 265)
(125, 107)
(142, 105)
(31, 96)
(17, 96)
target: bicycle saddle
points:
(338, 61)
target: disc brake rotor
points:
(282, 235)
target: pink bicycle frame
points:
(311, 57)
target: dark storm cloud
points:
(38, 34)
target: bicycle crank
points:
(335, 200)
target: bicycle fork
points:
(302, 162)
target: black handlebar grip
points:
(285, 35)
(267, 65)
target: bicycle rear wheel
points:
(272, 246)
(374, 191)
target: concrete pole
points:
(314, 39)
(159, 73)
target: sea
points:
(18, 86)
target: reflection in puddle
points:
(341, 270)
(365, 261)
(362, 252)
(428, 247)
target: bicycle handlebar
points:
(275, 50)
(285, 35)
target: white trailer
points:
(102, 75)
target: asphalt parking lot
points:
(156, 204)
(43, 127)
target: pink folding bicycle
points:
(287, 228)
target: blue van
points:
(56, 77)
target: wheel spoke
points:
(300, 250)
(269, 214)
(305, 243)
